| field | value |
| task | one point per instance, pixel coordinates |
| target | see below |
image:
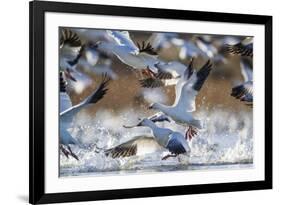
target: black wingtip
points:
(237, 91)
(99, 93)
(146, 48)
(69, 37)
(63, 82)
(241, 93)
(164, 76)
(151, 83)
(202, 75)
(190, 67)
(239, 49)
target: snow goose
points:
(168, 73)
(73, 55)
(161, 41)
(70, 50)
(66, 117)
(187, 89)
(88, 61)
(174, 142)
(140, 56)
(187, 49)
(244, 91)
(207, 44)
(97, 62)
(243, 48)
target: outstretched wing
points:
(99, 92)
(183, 79)
(177, 144)
(97, 95)
(68, 37)
(202, 75)
(122, 38)
(170, 70)
(159, 117)
(151, 83)
(244, 92)
(243, 48)
(137, 145)
(189, 70)
(190, 89)
(163, 75)
(146, 48)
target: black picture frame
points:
(37, 193)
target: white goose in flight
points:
(66, 117)
(244, 91)
(161, 138)
(70, 51)
(161, 41)
(93, 61)
(243, 48)
(187, 48)
(75, 54)
(208, 45)
(89, 61)
(187, 89)
(140, 57)
(168, 74)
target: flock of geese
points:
(95, 56)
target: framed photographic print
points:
(139, 102)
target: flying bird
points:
(75, 55)
(244, 91)
(66, 117)
(174, 142)
(161, 41)
(141, 57)
(187, 89)
(70, 51)
(187, 49)
(169, 73)
(207, 45)
(243, 48)
(96, 62)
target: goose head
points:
(146, 121)
(142, 122)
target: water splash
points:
(225, 140)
